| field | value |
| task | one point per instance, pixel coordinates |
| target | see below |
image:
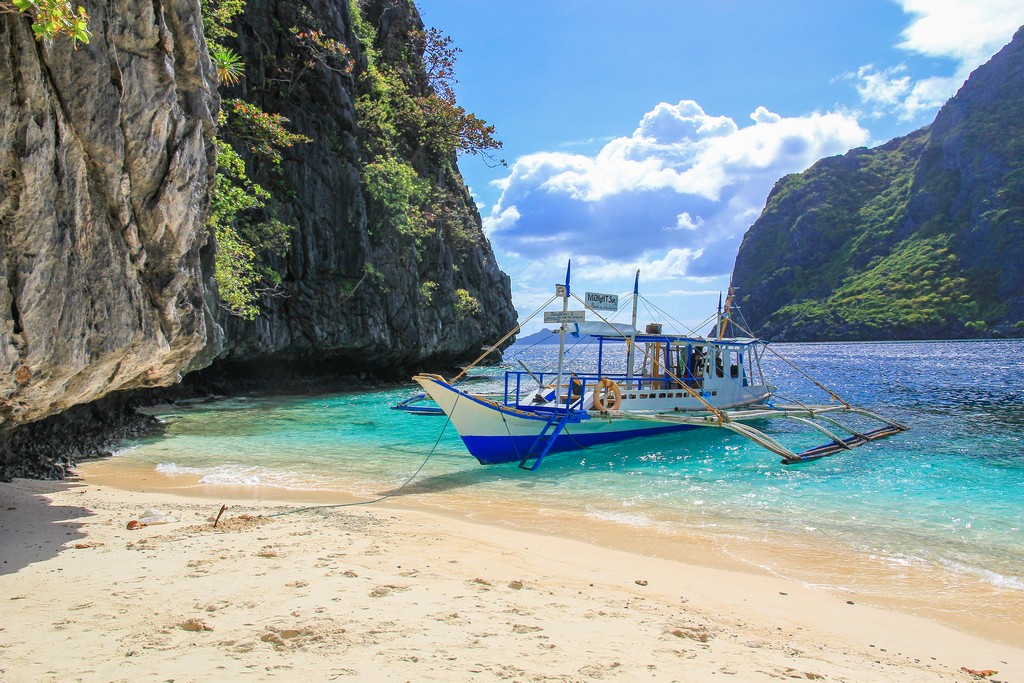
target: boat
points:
(669, 383)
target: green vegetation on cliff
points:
(410, 122)
(408, 115)
(239, 217)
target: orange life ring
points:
(612, 389)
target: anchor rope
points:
(387, 495)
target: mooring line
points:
(387, 495)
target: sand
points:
(388, 593)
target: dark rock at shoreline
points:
(50, 448)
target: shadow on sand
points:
(34, 529)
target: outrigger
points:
(684, 382)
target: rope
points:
(387, 495)
(799, 370)
(511, 332)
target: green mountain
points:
(922, 237)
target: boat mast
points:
(561, 333)
(630, 353)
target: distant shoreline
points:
(551, 337)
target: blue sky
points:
(649, 134)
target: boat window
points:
(661, 395)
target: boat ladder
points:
(544, 441)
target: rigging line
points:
(790, 398)
(389, 493)
(798, 369)
(530, 347)
(511, 332)
(650, 304)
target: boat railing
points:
(521, 385)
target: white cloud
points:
(500, 221)
(968, 32)
(653, 267)
(929, 94)
(685, 221)
(888, 87)
(679, 190)
(762, 115)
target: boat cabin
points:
(675, 372)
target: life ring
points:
(612, 389)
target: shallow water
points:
(942, 503)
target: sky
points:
(648, 135)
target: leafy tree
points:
(235, 271)
(465, 304)
(407, 110)
(450, 126)
(51, 18)
(262, 134)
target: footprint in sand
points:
(194, 624)
(381, 591)
(599, 670)
(699, 633)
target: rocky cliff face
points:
(105, 163)
(922, 237)
(356, 295)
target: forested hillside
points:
(922, 237)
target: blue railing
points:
(518, 384)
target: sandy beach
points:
(391, 593)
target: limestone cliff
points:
(922, 237)
(356, 294)
(105, 164)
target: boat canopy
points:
(642, 337)
(598, 328)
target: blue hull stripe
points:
(494, 450)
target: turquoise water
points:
(946, 497)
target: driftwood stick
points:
(222, 509)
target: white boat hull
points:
(494, 433)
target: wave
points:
(995, 578)
(245, 475)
